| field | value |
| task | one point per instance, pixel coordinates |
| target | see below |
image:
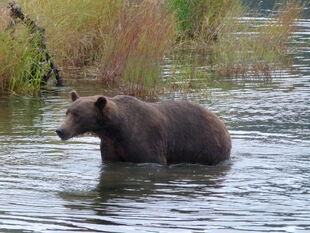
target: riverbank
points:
(125, 44)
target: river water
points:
(51, 186)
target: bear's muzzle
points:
(62, 134)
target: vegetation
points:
(203, 18)
(257, 50)
(20, 70)
(229, 43)
(33, 66)
(123, 42)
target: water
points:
(51, 186)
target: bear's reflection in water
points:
(126, 188)
(126, 180)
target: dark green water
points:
(51, 186)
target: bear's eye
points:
(67, 112)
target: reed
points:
(124, 41)
(137, 47)
(75, 29)
(252, 48)
(229, 43)
(201, 17)
(20, 69)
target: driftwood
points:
(18, 16)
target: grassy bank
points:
(258, 49)
(232, 42)
(123, 42)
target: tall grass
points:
(202, 17)
(232, 43)
(20, 68)
(137, 46)
(76, 30)
(259, 49)
(189, 15)
(124, 41)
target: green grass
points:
(188, 14)
(202, 17)
(20, 69)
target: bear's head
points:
(86, 114)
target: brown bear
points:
(132, 130)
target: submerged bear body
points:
(132, 130)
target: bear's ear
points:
(101, 102)
(74, 95)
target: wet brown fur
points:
(135, 131)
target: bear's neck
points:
(112, 133)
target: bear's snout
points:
(61, 133)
